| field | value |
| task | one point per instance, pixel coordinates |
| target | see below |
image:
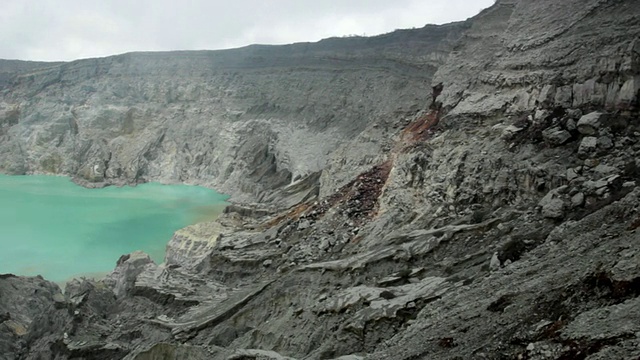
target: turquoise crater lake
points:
(52, 227)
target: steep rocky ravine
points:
(468, 191)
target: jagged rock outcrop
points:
(22, 302)
(494, 216)
(524, 53)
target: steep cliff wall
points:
(519, 54)
(10, 68)
(246, 121)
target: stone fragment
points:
(552, 205)
(629, 92)
(587, 146)
(325, 244)
(554, 209)
(59, 298)
(577, 200)
(605, 142)
(267, 263)
(564, 95)
(604, 170)
(494, 264)
(540, 115)
(303, 225)
(574, 114)
(510, 131)
(590, 123)
(571, 174)
(555, 136)
(611, 180)
(547, 95)
(124, 276)
(593, 186)
(591, 163)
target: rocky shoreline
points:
(468, 191)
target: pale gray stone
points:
(588, 146)
(590, 123)
(577, 200)
(571, 174)
(556, 136)
(494, 263)
(554, 209)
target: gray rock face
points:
(560, 61)
(480, 218)
(129, 267)
(247, 121)
(22, 300)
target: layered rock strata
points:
(485, 210)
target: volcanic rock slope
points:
(246, 121)
(486, 210)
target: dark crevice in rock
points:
(501, 303)
(603, 286)
(591, 208)
(162, 298)
(581, 349)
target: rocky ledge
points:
(492, 213)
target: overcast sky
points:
(73, 29)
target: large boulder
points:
(590, 123)
(552, 206)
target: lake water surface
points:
(52, 227)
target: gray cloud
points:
(72, 29)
